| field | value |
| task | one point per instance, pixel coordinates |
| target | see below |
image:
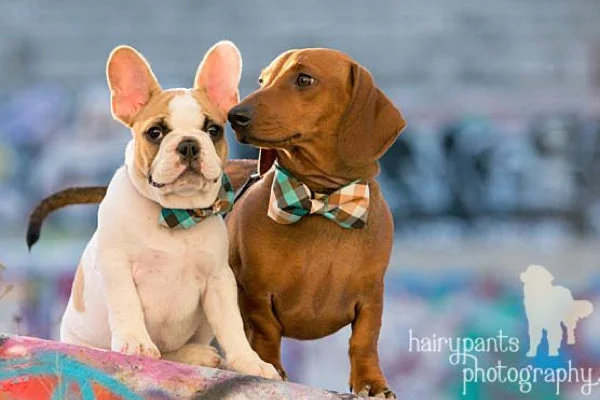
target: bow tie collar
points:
(176, 218)
(291, 200)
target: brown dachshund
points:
(320, 115)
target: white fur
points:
(149, 289)
(547, 306)
(185, 112)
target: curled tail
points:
(67, 197)
(579, 310)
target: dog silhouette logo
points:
(547, 307)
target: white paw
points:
(253, 365)
(196, 354)
(138, 344)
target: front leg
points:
(221, 308)
(366, 378)
(535, 337)
(264, 330)
(126, 317)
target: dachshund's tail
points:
(66, 197)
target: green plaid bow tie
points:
(290, 200)
(177, 218)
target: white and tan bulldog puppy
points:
(148, 289)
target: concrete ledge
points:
(35, 369)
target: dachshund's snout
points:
(240, 116)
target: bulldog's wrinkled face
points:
(178, 148)
(179, 143)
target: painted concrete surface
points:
(35, 369)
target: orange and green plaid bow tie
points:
(176, 218)
(290, 200)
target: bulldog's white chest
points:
(168, 282)
(169, 267)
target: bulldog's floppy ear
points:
(219, 75)
(131, 83)
(371, 122)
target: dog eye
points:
(155, 134)
(304, 80)
(260, 81)
(215, 131)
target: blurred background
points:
(498, 168)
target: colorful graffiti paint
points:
(35, 369)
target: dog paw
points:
(137, 344)
(373, 388)
(254, 366)
(195, 354)
(383, 393)
(282, 373)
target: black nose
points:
(188, 149)
(240, 116)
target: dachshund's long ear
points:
(371, 122)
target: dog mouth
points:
(186, 172)
(255, 141)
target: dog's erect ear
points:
(131, 83)
(219, 75)
(371, 122)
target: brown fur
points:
(309, 279)
(238, 171)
